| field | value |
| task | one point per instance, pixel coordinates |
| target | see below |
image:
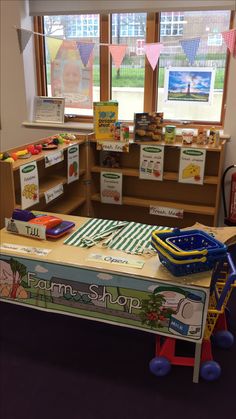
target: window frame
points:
(153, 25)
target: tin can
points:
(116, 130)
(170, 134)
(124, 132)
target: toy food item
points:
(191, 170)
(46, 220)
(22, 152)
(170, 134)
(187, 136)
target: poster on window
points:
(70, 78)
(189, 84)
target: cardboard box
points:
(105, 115)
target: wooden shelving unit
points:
(82, 197)
(74, 198)
(198, 202)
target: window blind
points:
(61, 7)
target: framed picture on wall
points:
(49, 109)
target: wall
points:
(15, 99)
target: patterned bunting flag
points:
(85, 50)
(153, 52)
(23, 38)
(53, 45)
(117, 52)
(230, 40)
(190, 47)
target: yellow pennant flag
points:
(53, 45)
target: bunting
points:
(85, 50)
(190, 47)
(53, 46)
(153, 52)
(230, 40)
(23, 38)
(117, 52)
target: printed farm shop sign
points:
(29, 182)
(73, 163)
(192, 165)
(111, 188)
(117, 299)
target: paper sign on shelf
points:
(29, 182)
(167, 212)
(25, 229)
(25, 249)
(114, 260)
(54, 158)
(111, 187)
(192, 165)
(151, 162)
(119, 146)
(73, 163)
(53, 193)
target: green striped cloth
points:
(130, 237)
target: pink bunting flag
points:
(230, 40)
(153, 52)
(117, 52)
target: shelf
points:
(66, 206)
(137, 202)
(211, 180)
(41, 156)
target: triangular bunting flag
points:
(117, 53)
(23, 38)
(190, 47)
(53, 45)
(85, 50)
(230, 40)
(153, 52)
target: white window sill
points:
(83, 127)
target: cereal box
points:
(105, 115)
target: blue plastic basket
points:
(187, 252)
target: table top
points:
(78, 257)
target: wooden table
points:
(104, 285)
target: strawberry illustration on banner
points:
(190, 47)
(117, 52)
(230, 40)
(153, 52)
(85, 50)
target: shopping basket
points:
(188, 251)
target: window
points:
(211, 55)
(135, 85)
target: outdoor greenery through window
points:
(186, 91)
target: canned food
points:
(170, 134)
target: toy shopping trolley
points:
(223, 282)
(187, 252)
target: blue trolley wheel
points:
(224, 339)
(160, 366)
(210, 370)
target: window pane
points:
(84, 28)
(186, 95)
(128, 81)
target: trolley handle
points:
(232, 266)
(229, 283)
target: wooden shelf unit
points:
(74, 198)
(199, 202)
